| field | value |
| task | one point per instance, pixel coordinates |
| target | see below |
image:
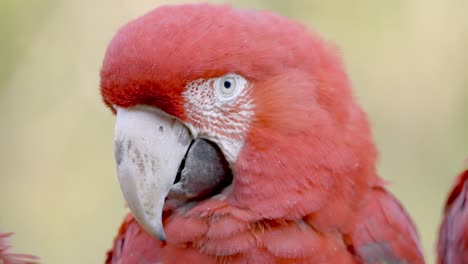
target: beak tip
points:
(162, 237)
(157, 231)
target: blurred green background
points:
(408, 61)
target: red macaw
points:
(238, 140)
(452, 247)
(7, 257)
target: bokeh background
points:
(407, 59)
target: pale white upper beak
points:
(149, 148)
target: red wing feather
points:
(383, 232)
(452, 246)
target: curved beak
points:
(149, 148)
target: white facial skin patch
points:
(220, 109)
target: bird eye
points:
(229, 86)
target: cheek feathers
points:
(284, 103)
(298, 105)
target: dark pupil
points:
(227, 84)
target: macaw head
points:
(238, 105)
